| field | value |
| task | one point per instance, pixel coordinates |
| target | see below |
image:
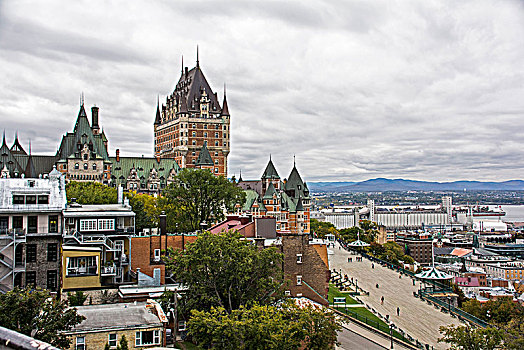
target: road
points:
(350, 340)
(417, 318)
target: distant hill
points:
(381, 184)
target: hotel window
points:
(193, 134)
(94, 166)
(216, 135)
(205, 134)
(30, 278)
(43, 199)
(216, 170)
(52, 277)
(30, 199)
(299, 280)
(147, 338)
(80, 343)
(106, 224)
(30, 253)
(299, 258)
(17, 199)
(216, 154)
(52, 252)
(32, 224)
(112, 340)
(88, 225)
(53, 224)
(77, 166)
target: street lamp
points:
(391, 334)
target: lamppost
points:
(391, 334)
(356, 285)
(449, 305)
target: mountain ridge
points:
(383, 184)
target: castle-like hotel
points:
(192, 130)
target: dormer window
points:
(85, 156)
(77, 166)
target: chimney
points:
(118, 154)
(94, 117)
(163, 223)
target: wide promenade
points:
(419, 319)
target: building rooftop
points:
(75, 210)
(124, 315)
(53, 188)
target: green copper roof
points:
(143, 167)
(270, 192)
(204, 158)
(270, 172)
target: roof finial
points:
(182, 64)
(16, 135)
(224, 89)
(29, 146)
(3, 139)
(198, 63)
(82, 99)
(270, 157)
(294, 161)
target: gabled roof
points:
(204, 158)
(81, 134)
(8, 160)
(270, 172)
(17, 148)
(270, 192)
(143, 166)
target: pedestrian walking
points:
(382, 300)
(377, 285)
(413, 281)
(372, 265)
(398, 311)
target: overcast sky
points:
(425, 90)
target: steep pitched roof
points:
(157, 119)
(270, 172)
(81, 134)
(204, 158)
(270, 191)
(190, 87)
(300, 206)
(295, 186)
(225, 109)
(17, 148)
(8, 160)
(30, 171)
(143, 167)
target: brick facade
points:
(143, 252)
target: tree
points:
(225, 270)
(198, 196)
(35, 313)
(468, 338)
(265, 327)
(321, 229)
(76, 299)
(91, 193)
(123, 344)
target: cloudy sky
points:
(425, 90)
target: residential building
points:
(509, 271)
(96, 245)
(191, 117)
(288, 201)
(419, 248)
(142, 323)
(30, 231)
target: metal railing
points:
(89, 239)
(108, 270)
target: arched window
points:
(85, 156)
(85, 166)
(94, 166)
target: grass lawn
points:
(360, 313)
(335, 292)
(187, 345)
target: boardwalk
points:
(419, 319)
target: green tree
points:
(198, 196)
(107, 347)
(91, 193)
(123, 344)
(35, 313)
(225, 270)
(264, 327)
(76, 299)
(321, 229)
(468, 338)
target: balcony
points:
(82, 271)
(108, 270)
(125, 229)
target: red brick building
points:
(191, 117)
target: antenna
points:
(82, 99)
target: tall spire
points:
(225, 109)
(197, 63)
(294, 161)
(182, 64)
(3, 139)
(82, 99)
(157, 118)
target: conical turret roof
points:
(270, 172)
(204, 158)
